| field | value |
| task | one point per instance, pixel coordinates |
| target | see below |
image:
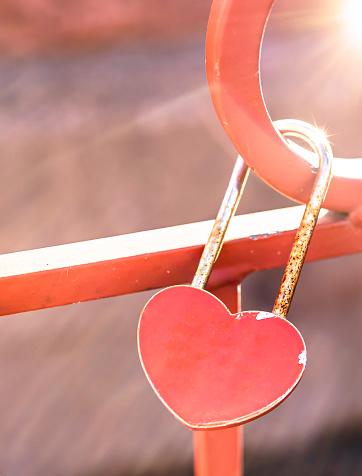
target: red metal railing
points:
(126, 264)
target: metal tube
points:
(220, 452)
(319, 143)
(227, 211)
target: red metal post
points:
(219, 452)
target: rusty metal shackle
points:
(226, 212)
(322, 177)
(213, 246)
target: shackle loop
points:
(320, 145)
(226, 212)
(211, 251)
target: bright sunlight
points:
(351, 15)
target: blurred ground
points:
(121, 138)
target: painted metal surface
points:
(220, 452)
(126, 264)
(213, 369)
(234, 39)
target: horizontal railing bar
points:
(145, 242)
(135, 262)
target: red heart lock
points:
(213, 369)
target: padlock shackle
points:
(226, 212)
(320, 145)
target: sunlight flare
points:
(352, 19)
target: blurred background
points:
(107, 128)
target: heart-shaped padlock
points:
(213, 369)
